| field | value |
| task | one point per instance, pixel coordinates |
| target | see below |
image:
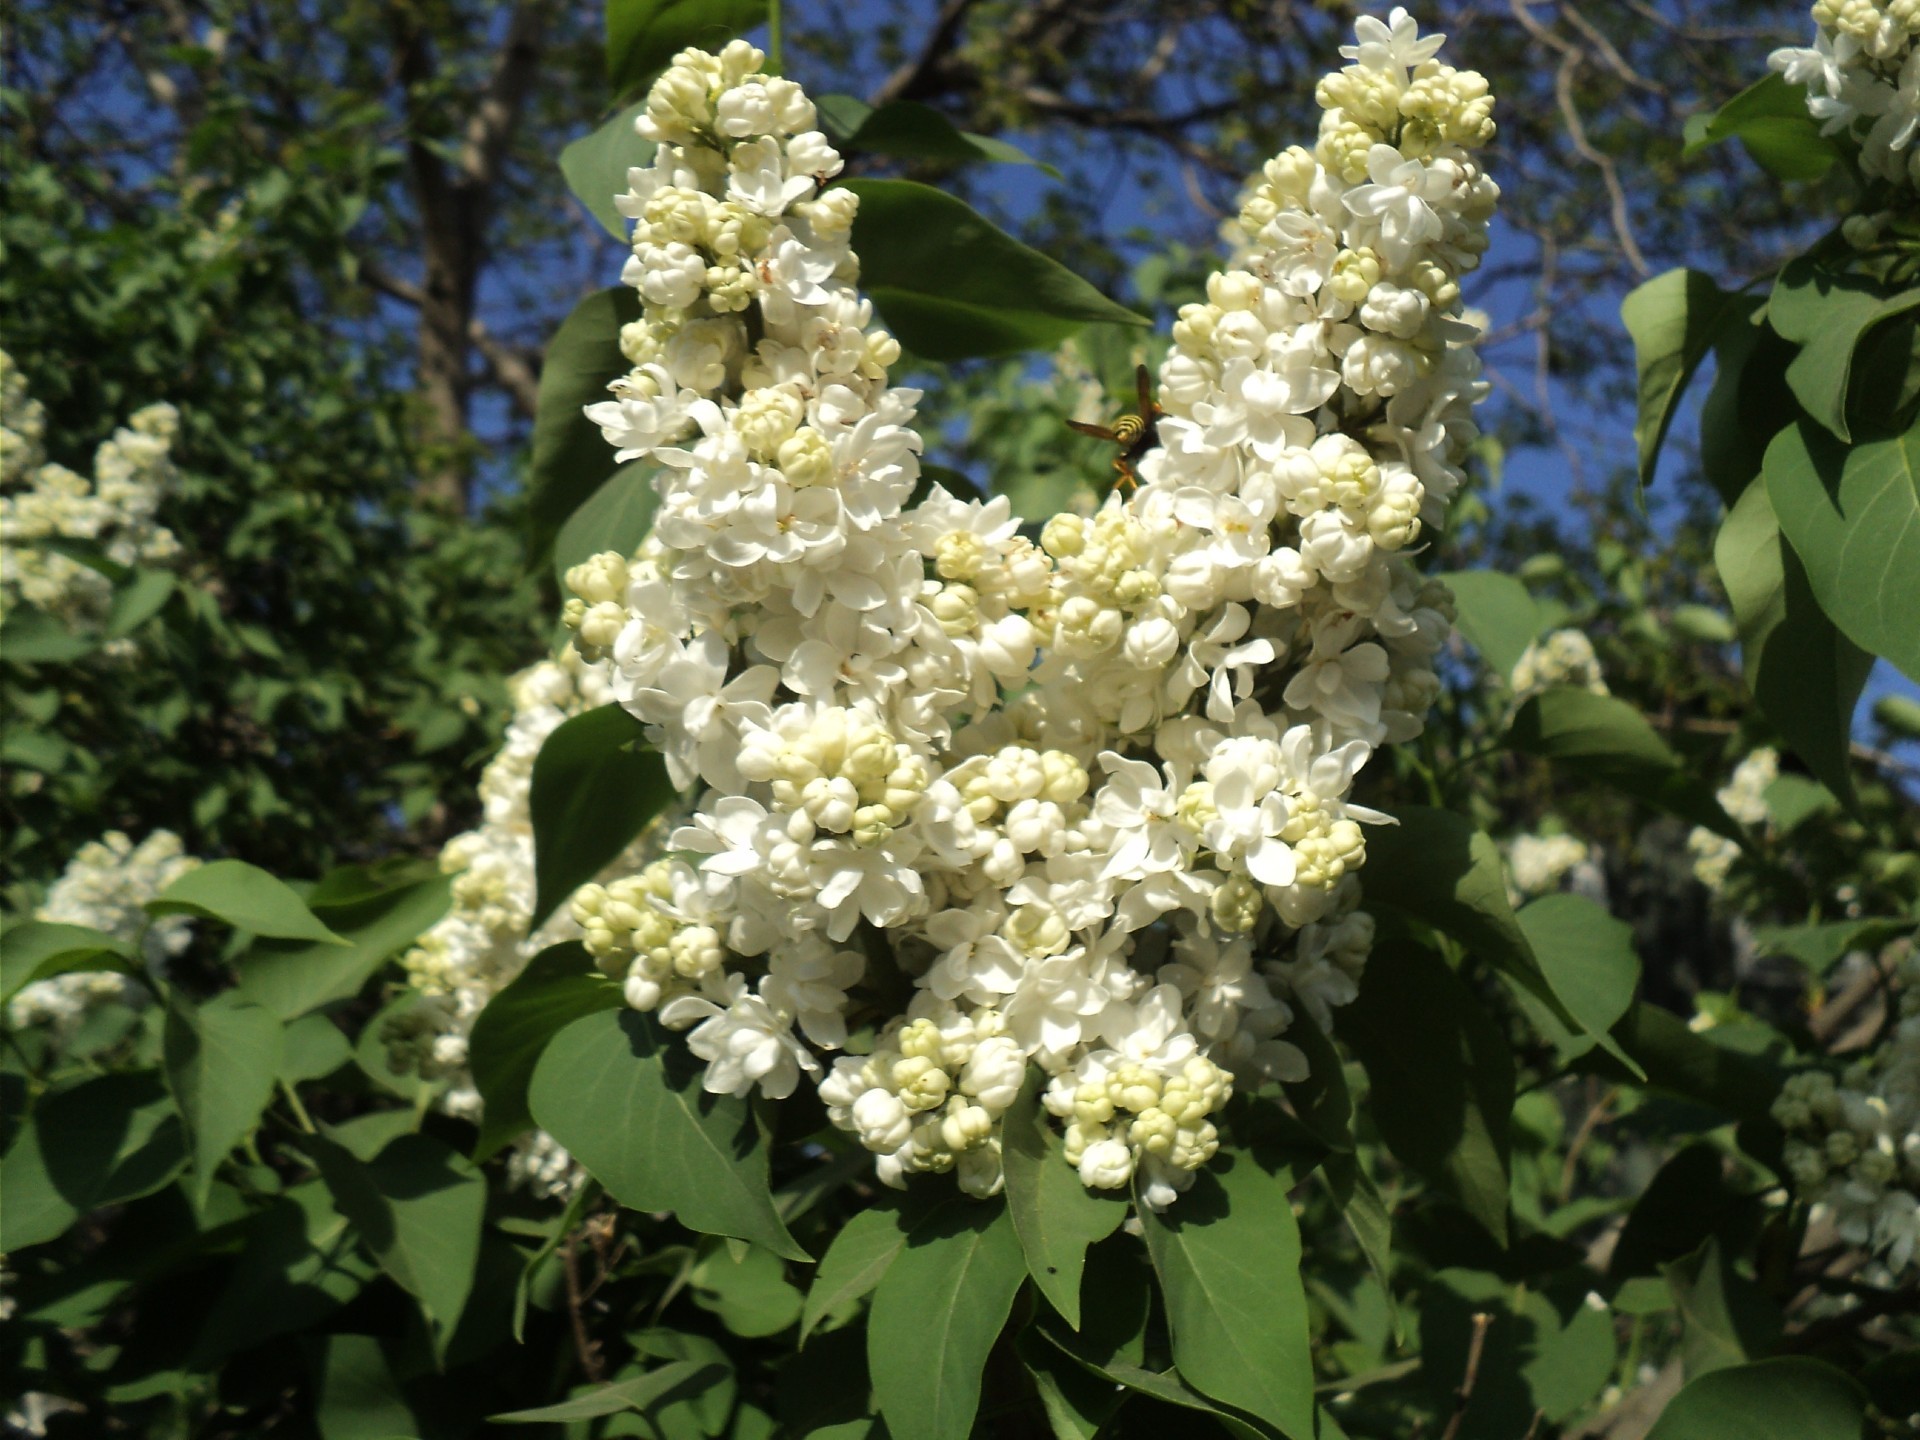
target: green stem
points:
(299, 1110)
(775, 63)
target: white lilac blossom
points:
(1862, 76)
(482, 943)
(1744, 798)
(1853, 1143)
(1537, 864)
(1087, 802)
(43, 502)
(105, 887)
(1564, 657)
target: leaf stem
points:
(775, 61)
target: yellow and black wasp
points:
(1135, 434)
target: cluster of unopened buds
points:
(43, 503)
(105, 887)
(1862, 75)
(964, 803)
(1853, 1141)
(1560, 658)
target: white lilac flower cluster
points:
(1564, 657)
(967, 803)
(104, 887)
(41, 502)
(482, 943)
(1744, 798)
(1537, 864)
(1853, 1143)
(1862, 74)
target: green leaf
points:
(96, 1142)
(315, 1048)
(570, 459)
(358, 1396)
(1728, 1318)
(33, 637)
(222, 1059)
(749, 1293)
(293, 979)
(1441, 1076)
(1747, 404)
(1852, 515)
(953, 286)
(936, 1314)
(1590, 960)
(1819, 947)
(908, 130)
(616, 517)
(1805, 674)
(1829, 315)
(1496, 614)
(1436, 867)
(855, 1262)
(299, 1262)
(1228, 1257)
(418, 1206)
(33, 950)
(139, 600)
(594, 788)
(678, 1380)
(1602, 737)
(626, 1102)
(1686, 1064)
(596, 165)
(557, 987)
(643, 36)
(1673, 320)
(1770, 118)
(245, 897)
(1791, 1398)
(1055, 1216)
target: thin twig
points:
(1464, 1394)
(1595, 1115)
(584, 1345)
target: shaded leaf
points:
(222, 1059)
(644, 35)
(1496, 614)
(854, 1263)
(1055, 1216)
(594, 788)
(33, 950)
(292, 979)
(677, 1380)
(1829, 315)
(935, 1316)
(627, 1104)
(557, 987)
(96, 1142)
(1770, 118)
(908, 130)
(617, 516)
(1673, 320)
(1791, 1398)
(952, 285)
(570, 460)
(1590, 960)
(596, 165)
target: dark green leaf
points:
(418, 1206)
(1436, 867)
(1819, 947)
(1055, 1216)
(682, 1377)
(643, 36)
(222, 1059)
(908, 130)
(616, 517)
(1852, 515)
(853, 1265)
(1728, 1318)
(359, 1397)
(292, 979)
(1792, 1398)
(1228, 1256)
(33, 637)
(1590, 960)
(952, 285)
(1693, 1067)
(1441, 1076)
(626, 1102)
(245, 897)
(33, 950)
(935, 1316)
(1770, 118)
(594, 789)
(1673, 320)
(596, 165)
(1829, 315)
(570, 459)
(749, 1292)
(315, 1048)
(558, 986)
(1805, 674)
(96, 1142)
(1747, 405)
(1602, 737)
(1496, 614)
